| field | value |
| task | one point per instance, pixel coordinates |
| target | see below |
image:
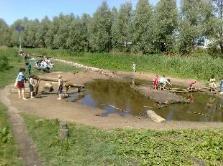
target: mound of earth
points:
(161, 97)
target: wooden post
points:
(63, 131)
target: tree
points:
(218, 27)
(121, 34)
(41, 33)
(78, 34)
(100, 29)
(165, 24)
(4, 33)
(142, 28)
(193, 23)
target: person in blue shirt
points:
(20, 83)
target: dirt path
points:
(25, 144)
(49, 107)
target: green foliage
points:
(121, 28)
(9, 65)
(4, 63)
(197, 67)
(92, 146)
(165, 25)
(8, 151)
(142, 28)
(194, 23)
(100, 29)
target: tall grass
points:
(197, 67)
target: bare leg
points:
(23, 94)
(59, 98)
(31, 95)
(19, 93)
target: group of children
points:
(21, 80)
(161, 82)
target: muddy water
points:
(120, 98)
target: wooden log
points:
(63, 131)
(154, 117)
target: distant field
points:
(196, 67)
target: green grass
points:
(15, 62)
(8, 76)
(8, 152)
(91, 146)
(197, 67)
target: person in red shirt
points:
(156, 82)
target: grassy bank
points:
(8, 152)
(9, 74)
(197, 67)
(90, 146)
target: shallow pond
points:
(118, 97)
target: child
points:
(163, 82)
(156, 82)
(134, 67)
(31, 86)
(192, 85)
(60, 87)
(212, 84)
(20, 83)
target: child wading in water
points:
(192, 85)
(60, 87)
(134, 67)
(20, 83)
(156, 82)
(31, 86)
(212, 84)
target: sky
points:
(11, 10)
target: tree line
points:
(143, 29)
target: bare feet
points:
(24, 98)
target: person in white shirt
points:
(163, 82)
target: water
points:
(118, 97)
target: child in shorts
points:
(60, 87)
(20, 83)
(31, 86)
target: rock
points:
(161, 97)
(154, 117)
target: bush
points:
(4, 63)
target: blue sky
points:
(11, 10)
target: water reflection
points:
(118, 97)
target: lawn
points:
(196, 67)
(91, 146)
(8, 149)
